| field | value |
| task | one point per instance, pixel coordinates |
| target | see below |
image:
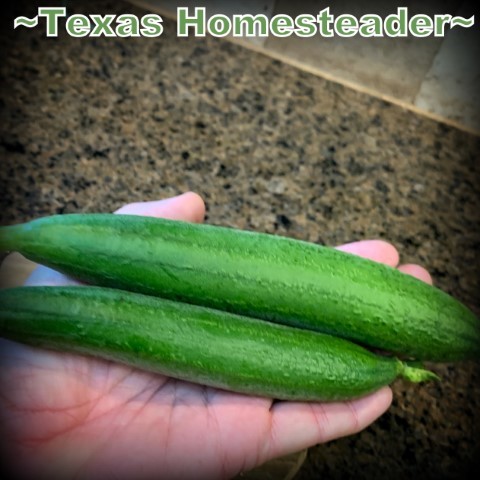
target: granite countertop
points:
(90, 124)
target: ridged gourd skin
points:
(260, 275)
(197, 344)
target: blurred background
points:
(324, 140)
(436, 76)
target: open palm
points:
(69, 416)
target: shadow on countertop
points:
(90, 124)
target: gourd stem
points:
(415, 373)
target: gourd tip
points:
(5, 239)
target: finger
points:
(188, 207)
(376, 250)
(416, 271)
(14, 270)
(44, 276)
(296, 426)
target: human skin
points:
(65, 416)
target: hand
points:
(64, 415)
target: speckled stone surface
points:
(90, 124)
